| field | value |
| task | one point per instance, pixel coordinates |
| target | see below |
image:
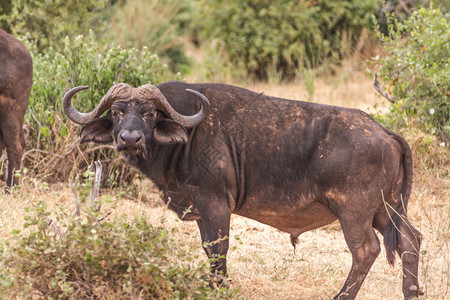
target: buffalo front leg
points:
(214, 228)
(365, 247)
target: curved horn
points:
(155, 95)
(105, 103)
(202, 113)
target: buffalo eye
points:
(117, 113)
(147, 115)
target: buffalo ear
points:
(99, 130)
(169, 132)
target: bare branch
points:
(82, 154)
(377, 87)
(72, 147)
(99, 148)
(107, 215)
(43, 152)
(404, 7)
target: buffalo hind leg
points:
(364, 247)
(408, 248)
(214, 228)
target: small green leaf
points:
(45, 131)
(63, 131)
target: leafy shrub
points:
(156, 24)
(5, 10)
(47, 23)
(263, 35)
(88, 258)
(416, 70)
(51, 137)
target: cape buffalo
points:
(216, 149)
(16, 78)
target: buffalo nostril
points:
(130, 137)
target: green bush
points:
(82, 61)
(416, 70)
(91, 258)
(157, 24)
(47, 23)
(5, 10)
(285, 36)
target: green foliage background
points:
(156, 24)
(261, 36)
(416, 70)
(160, 25)
(47, 23)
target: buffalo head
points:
(137, 118)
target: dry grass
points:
(348, 89)
(262, 263)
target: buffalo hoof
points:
(413, 293)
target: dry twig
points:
(377, 87)
(55, 227)
(96, 167)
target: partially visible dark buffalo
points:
(16, 78)
(216, 149)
